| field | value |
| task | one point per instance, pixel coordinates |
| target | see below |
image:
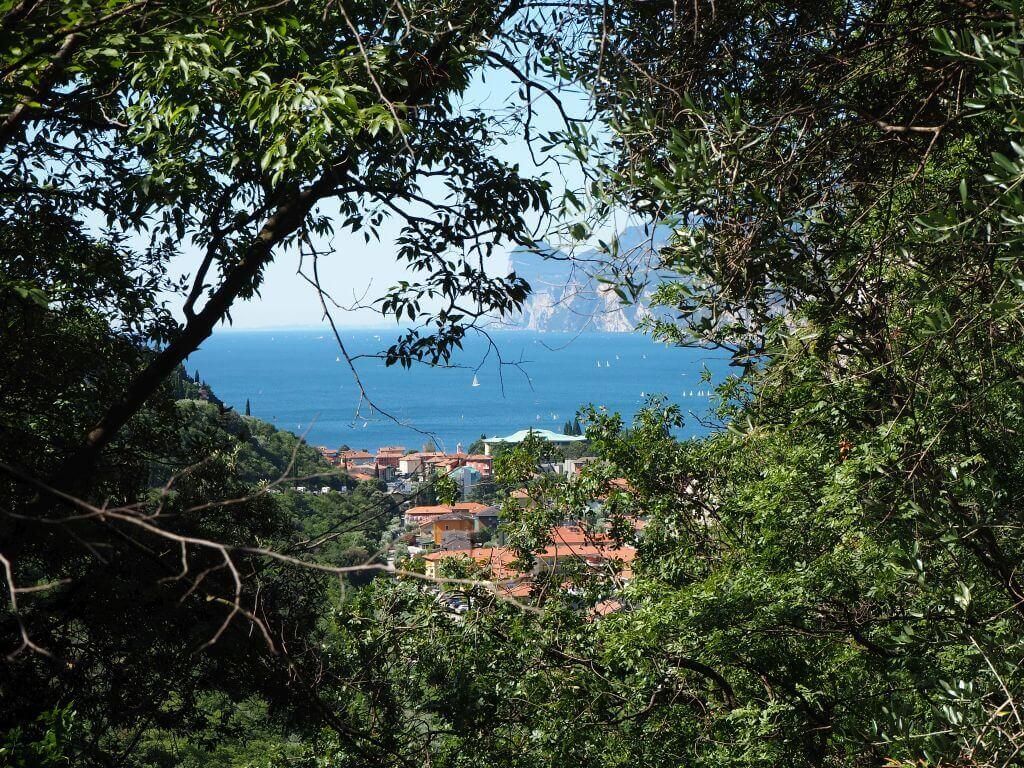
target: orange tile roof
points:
(470, 506)
(497, 559)
(606, 607)
(432, 509)
(517, 588)
(594, 555)
(575, 534)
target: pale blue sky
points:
(360, 270)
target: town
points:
(469, 533)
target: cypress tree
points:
(248, 410)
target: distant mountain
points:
(567, 294)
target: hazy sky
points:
(359, 270)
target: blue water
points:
(294, 380)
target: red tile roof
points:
(497, 560)
(470, 506)
(423, 511)
(575, 534)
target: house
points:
(331, 455)
(470, 507)
(466, 477)
(610, 560)
(390, 456)
(442, 463)
(574, 535)
(357, 461)
(409, 465)
(521, 497)
(385, 472)
(482, 463)
(496, 561)
(486, 519)
(362, 477)
(453, 530)
(415, 516)
(573, 466)
(522, 434)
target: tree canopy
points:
(831, 578)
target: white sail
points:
(476, 381)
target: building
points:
(486, 519)
(357, 461)
(453, 530)
(482, 463)
(521, 497)
(390, 456)
(522, 434)
(607, 558)
(331, 455)
(466, 477)
(495, 561)
(573, 466)
(385, 472)
(409, 465)
(417, 516)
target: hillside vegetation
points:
(831, 579)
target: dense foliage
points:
(832, 579)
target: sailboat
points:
(476, 381)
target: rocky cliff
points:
(568, 294)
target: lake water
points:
(295, 380)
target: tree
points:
(254, 128)
(477, 446)
(840, 178)
(830, 580)
(248, 409)
(104, 621)
(446, 488)
(244, 129)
